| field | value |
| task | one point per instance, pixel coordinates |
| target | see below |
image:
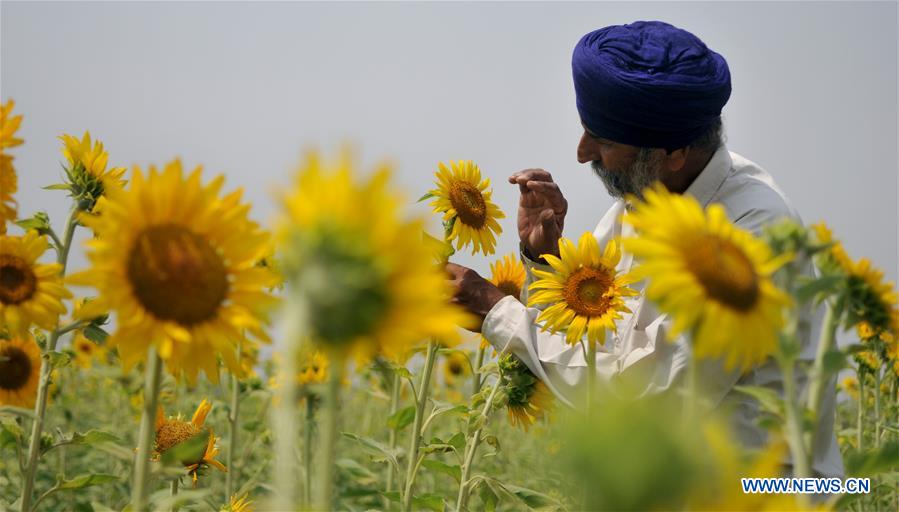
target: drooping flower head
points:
(528, 397)
(585, 292)
(464, 200)
(867, 297)
(508, 275)
(363, 272)
(173, 431)
(712, 277)
(31, 293)
(177, 262)
(20, 368)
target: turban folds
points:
(648, 84)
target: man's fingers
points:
(548, 221)
(550, 191)
(521, 178)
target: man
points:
(649, 97)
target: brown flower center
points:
(456, 367)
(177, 275)
(174, 432)
(15, 368)
(725, 272)
(17, 281)
(469, 204)
(509, 288)
(587, 291)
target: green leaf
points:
(16, 411)
(822, 285)
(95, 334)
(834, 361)
(425, 197)
(457, 441)
(82, 481)
(532, 498)
(373, 447)
(391, 495)
(186, 452)
(488, 497)
(92, 437)
(401, 418)
(452, 470)
(871, 462)
(59, 359)
(58, 186)
(768, 398)
(429, 501)
(39, 222)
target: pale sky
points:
(243, 87)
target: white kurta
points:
(640, 350)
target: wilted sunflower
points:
(528, 397)
(241, 504)
(585, 292)
(868, 298)
(464, 200)
(711, 276)
(508, 275)
(177, 262)
(30, 292)
(9, 124)
(172, 431)
(87, 173)
(366, 276)
(456, 366)
(20, 368)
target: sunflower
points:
(850, 386)
(464, 200)
(457, 366)
(585, 292)
(313, 370)
(508, 275)
(177, 262)
(20, 368)
(172, 431)
(87, 173)
(8, 180)
(528, 397)
(86, 351)
(366, 277)
(238, 504)
(868, 298)
(711, 276)
(30, 292)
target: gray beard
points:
(645, 171)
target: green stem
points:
(795, 439)
(591, 375)
(175, 493)
(391, 436)
(861, 409)
(40, 404)
(877, 380)
(479, 362)
(325, 500)
(818, 377)
(234, 427)
(421, 402)
(308, 427)
(471, 449)
(153, 376)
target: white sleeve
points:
(640, 354)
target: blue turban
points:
(648, 84)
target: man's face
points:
(623, 169)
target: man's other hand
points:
(473, 292)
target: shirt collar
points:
(706, 185)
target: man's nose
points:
(587, 150)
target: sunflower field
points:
(202, 361)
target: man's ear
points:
(676, 159)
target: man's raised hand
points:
(541, 211)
